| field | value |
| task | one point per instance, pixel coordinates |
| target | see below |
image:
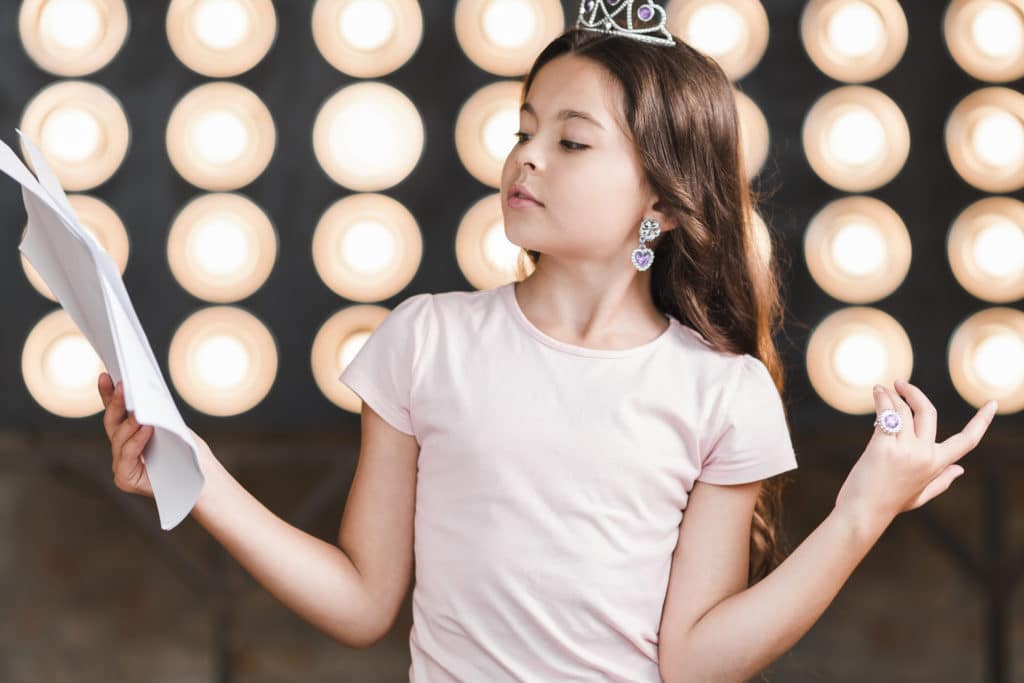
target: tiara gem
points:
(595, 15)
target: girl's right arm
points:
(319, 581)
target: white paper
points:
(89, 287)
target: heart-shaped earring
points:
(642, 256)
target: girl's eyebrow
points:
(565, 114)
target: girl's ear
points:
(655, 211)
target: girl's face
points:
(574, 155)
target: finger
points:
(136, 443)
(924, 412)
(106, 388)
(883, 401)
(902, 409)
(961, 443)
(115, 413)
(939, 484)
(123, 432)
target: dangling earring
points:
(642, 256)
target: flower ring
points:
(889, 420)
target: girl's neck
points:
(614, 313)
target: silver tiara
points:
(595, 16)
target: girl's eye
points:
(571, 146)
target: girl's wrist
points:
(864, 523)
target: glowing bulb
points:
(498, 132)
(219, 245)
(509, 23)
(998, 138)
(222, 361)
(856, 137)
(368, 247)
(352, 345)
(73, 24)
(998, 31)
(998, 249)
(71, 363)
(498, 251)
(220, 136)
(716, 29)
(220, 24)
(999, 360)
(860, 359)
(367, 24)
(855, 30)
(365, 135)
(859, 249)
(71, 133)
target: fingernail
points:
(878, 388)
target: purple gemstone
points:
(590, 5)
(643, 259)
(613, 3)
(645, 13)
(891, 421)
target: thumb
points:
(939, 484)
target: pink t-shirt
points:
(552, 480)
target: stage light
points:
(854, 41)
(368, 136)
(986, 38)
(853, 349)
(485, 130)
(858, 249)
(986, 249)
(100, 221)
(336, 343)
(732, 32)
(221, 247)
(755, 137)
(367, 247)
(60, 368)
(503, 37)
(985, 139)
(223, 360)
(81, 128)
(220, 136)
(986, 358)
(856, 138)
(72, 37)
(221, 38)
(762, 239)
(367, 38)
(484, 253)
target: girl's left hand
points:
(903, 471)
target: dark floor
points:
(88, 595)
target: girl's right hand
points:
(127, 440)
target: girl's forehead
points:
(575, 84)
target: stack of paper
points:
(88, 286)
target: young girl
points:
(534, 446)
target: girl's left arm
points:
(714, 628)
(743, 633)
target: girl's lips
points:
(521, 203)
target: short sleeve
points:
(752, 441)
(382, 373)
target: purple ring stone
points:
(891, 421)
(645, 13)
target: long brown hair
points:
(708, 273)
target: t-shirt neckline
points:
(508, 294)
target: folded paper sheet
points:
(88, 286)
